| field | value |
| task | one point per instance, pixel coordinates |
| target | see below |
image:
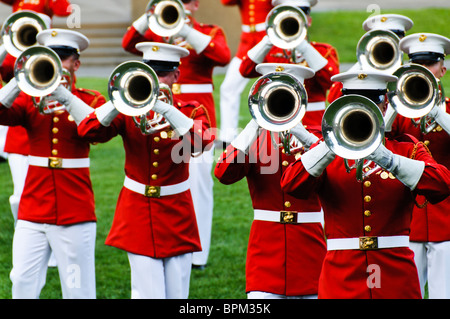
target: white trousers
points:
(202, 183)
(268, 295)
(74, 250)
(433, 265)
(18, 165)
(230, 100)
(165, 278)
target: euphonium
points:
(277, 102)
(19, 31)
(415, 93)
(286, 26)
(165, 17)
(38, 71)
(353, 128)
(379, 50)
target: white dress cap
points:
(297, 3)
(388, 22)
(364, 80)
(298, 71)
(425, 42)
(157, 51)
(63, 37)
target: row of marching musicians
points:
(367, 210)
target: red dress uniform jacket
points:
(49, 7)
(432, 222)
(253, 13)
(316, 87)
(60, 8)
(375, 207)
(54, 196)
(155, 227)
(283, 259)
(195, 68)
(17, 141)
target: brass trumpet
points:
(19, 31)
(415, 93)
(353, 128)
(165, 17)
(379, 50)
(134, 88)
(277, 102)
(286, 26)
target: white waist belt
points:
(57, 162)
(366, 243)
(196, 88)
(286, 217)
(155, 191)
(254, 27)
(315, 106)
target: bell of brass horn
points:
(415, 92)
(133, 88)
(353, 127)
(38, 71)
(153, 122)
(379, 50)
(286, 26)
(19, 31)
(165, 17)
(277, 102)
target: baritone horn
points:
(353, 128)
(286, 26)
(415, 93)
(134, 88)
(19, 31)
(165, 17)
(277, 102)
(379, 50)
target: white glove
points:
(441, 117)
(315, 60)
(141, 24)
(389, 118)
(305, 137)
(74, 105)
(199, 41)
(406, 170)
(9, 93)
(106, 113)
(259, 51)
(246, 138)
(179, 122)
(317, 159)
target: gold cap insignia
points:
(362, 76)
(422, 38)
(54, 33)
(155, 48)
(279, 69)
(383, 19)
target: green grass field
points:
(225, 275)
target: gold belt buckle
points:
(288, 217)
(152, 191)
(55, 162)
(252, 28)
(368, 243)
